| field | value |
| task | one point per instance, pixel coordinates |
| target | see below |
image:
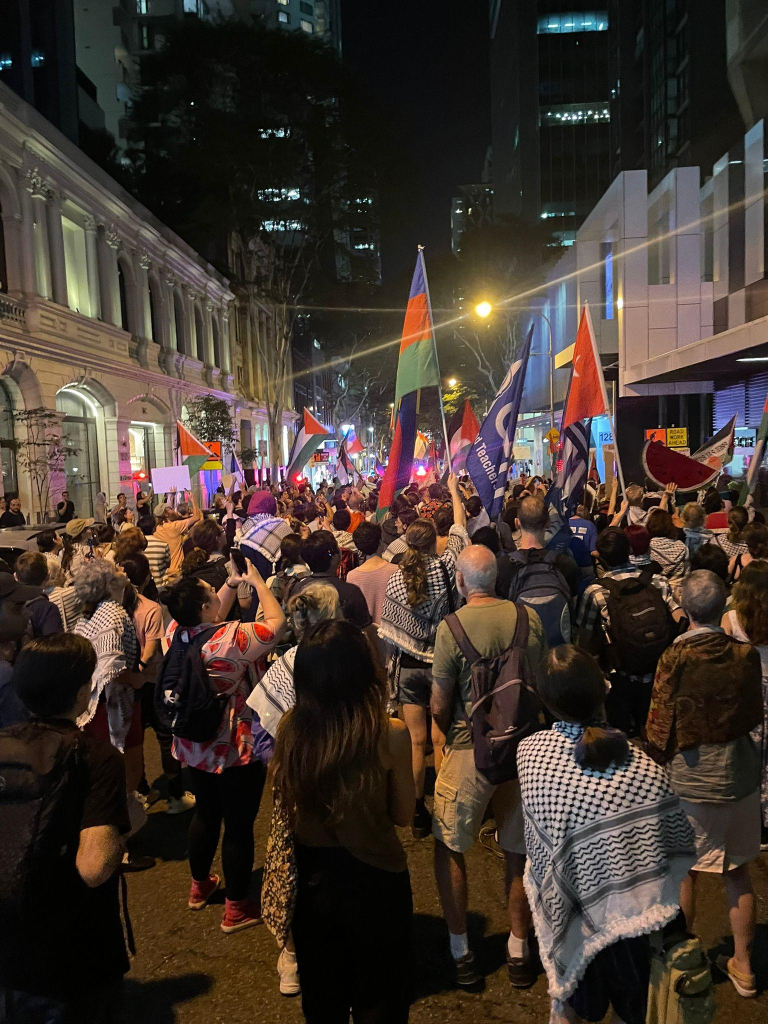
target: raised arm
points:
(459, 516)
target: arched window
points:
(216, 342)
(81, 464)
(178, 319)
(155, 305)
(200, 334)
(7, 447)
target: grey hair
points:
(693, 515)
(703, 597)
(93, 580)
(478, 568)
(315, 603)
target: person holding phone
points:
(226, 777)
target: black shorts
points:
(618, 977)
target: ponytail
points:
(601, 746)
(420, 538)
(193, 561)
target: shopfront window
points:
(7, 446)
(81, 465)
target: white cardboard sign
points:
(166, 478)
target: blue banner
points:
(490, 456)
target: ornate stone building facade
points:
(107, 319)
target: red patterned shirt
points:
(234, 657)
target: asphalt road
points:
(187, 971)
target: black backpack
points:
(41, 807)
(186, 701)
(640, 627)
(505, 708)
(539, 584)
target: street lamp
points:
(484, 309)
(452, 382)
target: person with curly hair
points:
(417, 598)
(755, 536)
(747, 620)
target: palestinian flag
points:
(462, 431)
(354, 447)
(308, 440)
(718, 451)
(192, 451)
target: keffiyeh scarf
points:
(607, 852)
(114, 639)
(263, 533)
(274, 694)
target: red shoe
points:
(240, 914)
(201, 892)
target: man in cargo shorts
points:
(462, 794)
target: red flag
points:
(586, 395)
(354, 447)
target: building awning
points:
(707, 359)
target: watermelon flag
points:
(757, 459)
(308, 440)
(462, 431)
(417, 368)
(192, 451)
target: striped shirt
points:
(68, 604)
(159, 557)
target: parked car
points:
(15, 540)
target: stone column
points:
(56, 246)
(28, 271)
(175, 343)
(141, 265)
(209, 356)
(189, 303)
(224, 341)
(112, 306)
(37, 190)
(92, 265)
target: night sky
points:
(425, 64)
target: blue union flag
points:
(490, 456)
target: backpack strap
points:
(465, 645)
(522, 627)
(448, 588)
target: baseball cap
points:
(10, 587)
(76, 526)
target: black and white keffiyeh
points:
(117, 650)
(263, 533)
(274, 693)
(412, 628)
(607, 852)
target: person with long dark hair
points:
(343, 771)
(608, 846)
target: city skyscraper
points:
(37, 61)
(671, 102)
(550, 110)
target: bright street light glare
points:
(483, 309)
(452, 382)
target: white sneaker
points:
(289, 974)
(186, 802)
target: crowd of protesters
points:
(341, 654)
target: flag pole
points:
(447, 461)
(610, 412)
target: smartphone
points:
(239, 560)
